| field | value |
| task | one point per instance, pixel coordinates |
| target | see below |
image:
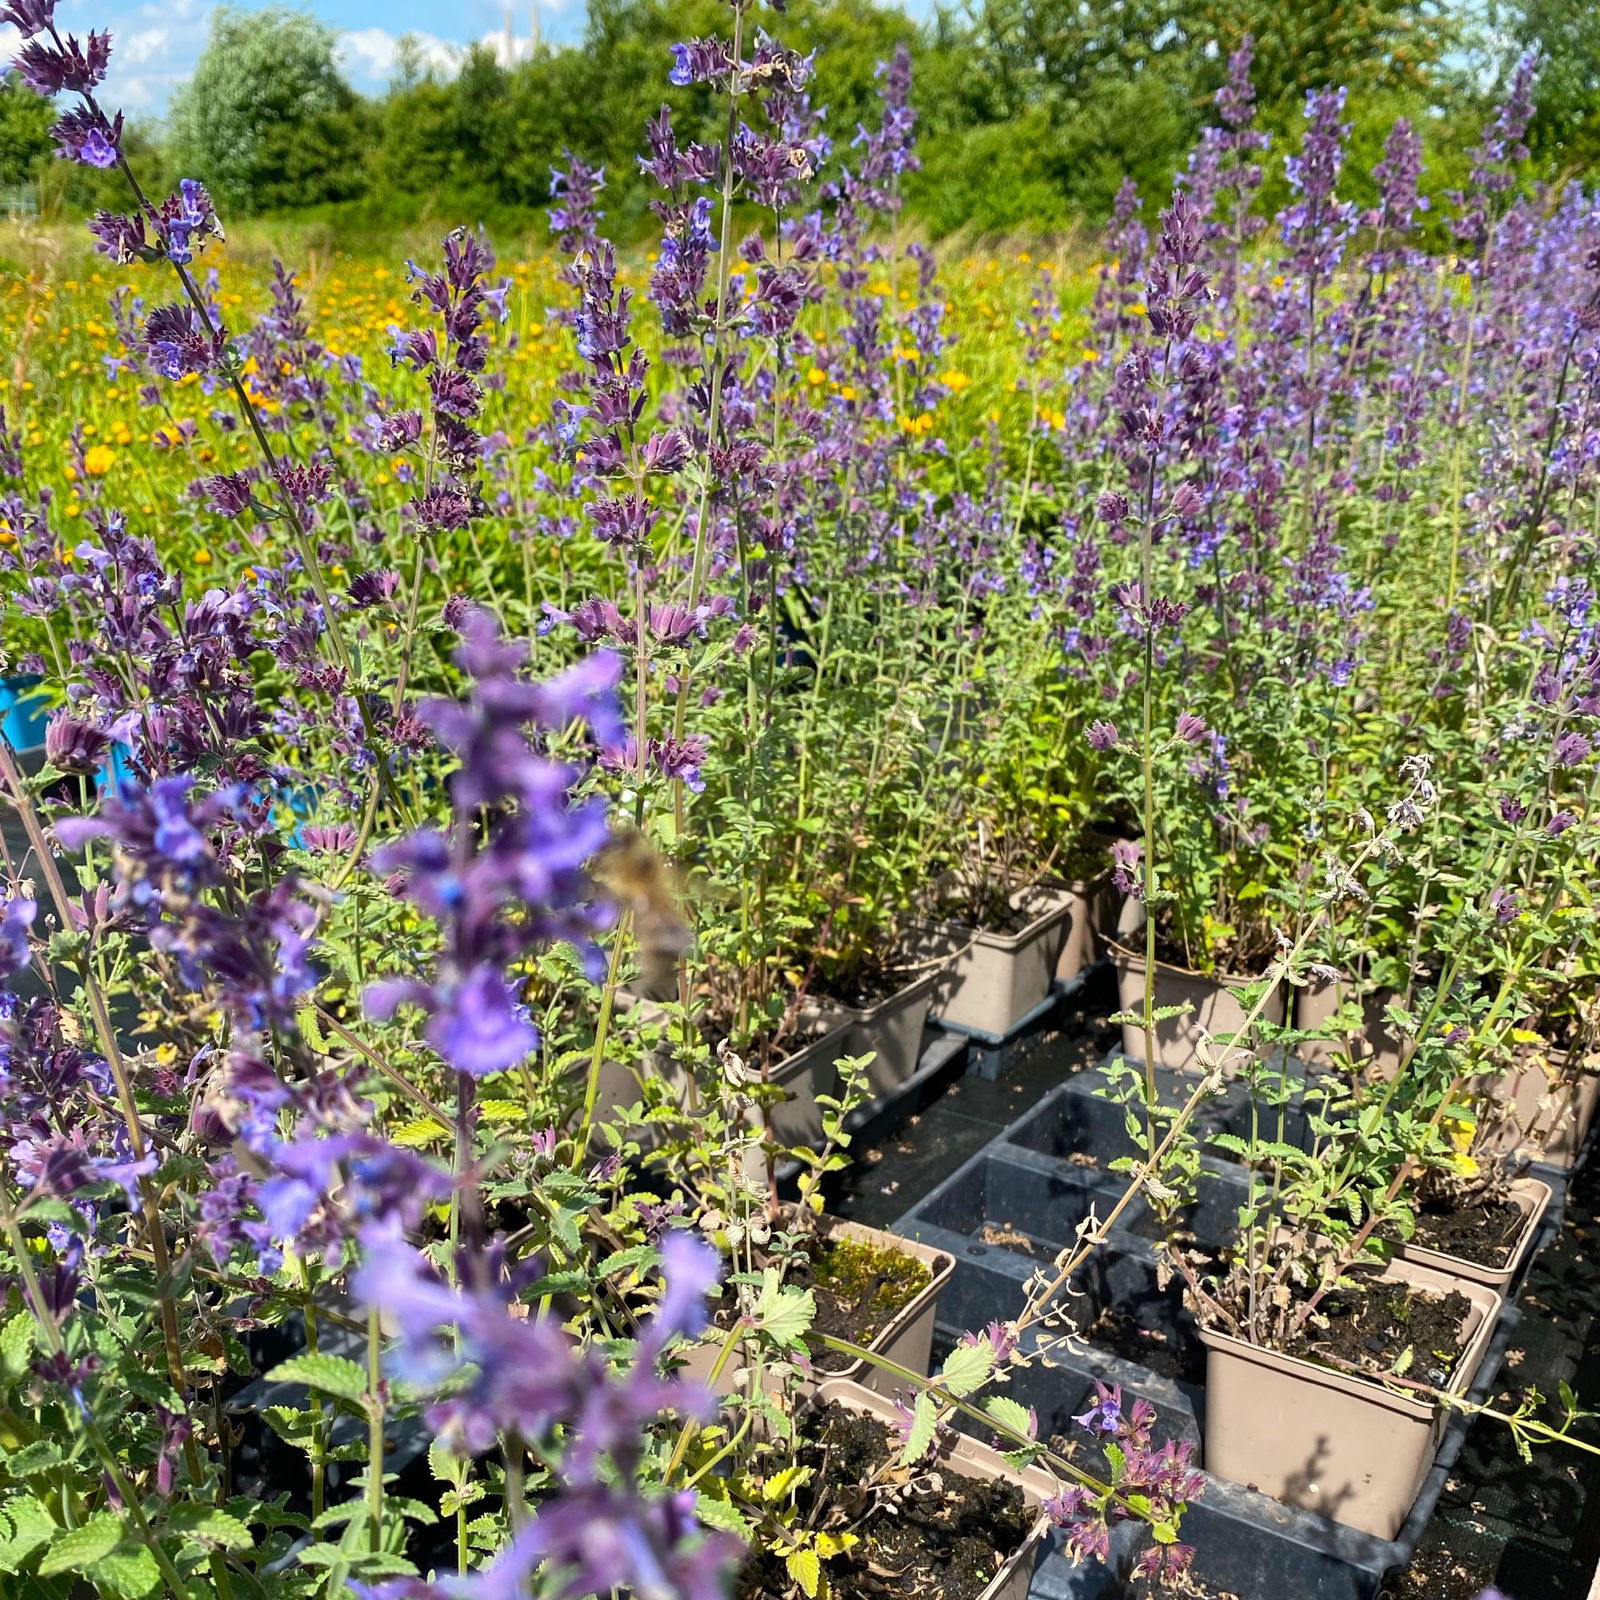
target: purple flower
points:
(1505, 906)
(84, 136)
(1112, 507)
(29, 17)
(1103, 736)
(1125, 858)
(69, 67)
(16, 919)
(1190, 728)
(1573, 747)
(72, 744)
(1105, 1415)
(479, 1027)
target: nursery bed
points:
(1483, 1517)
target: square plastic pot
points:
(1093, 914)
(906, 1339)
(1007, 1215)
(990, 981)
(1531, 1196)
(1549, 1109)
(804, 1074)
(972, 1460)
(1076, 1121)
(1327, 1441)
(1213, 1010)
(891, 1030)
(1375, 1046)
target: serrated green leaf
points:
(210, 1526)
(324, 1373)
(967, 1368)
(77, 1549)
(16, 1345)
(126, 1574)
(40, 1456)
(625, 1260)
(1011, 1415)
(919, 1437)
(496, 1112)
(805, 1568)
(289, 1423)
(419, 1133)
(714, 1513)
(782, 1312)
(29, 1526)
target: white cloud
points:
(368, 54)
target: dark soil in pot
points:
(933, 1535)
(858, 1290)
(1484, 1234)
(986, 907)
(1383, 1327)
(861, 988)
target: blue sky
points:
(156, 44)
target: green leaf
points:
(967, 1368)
(326, 1374)
(626, 1260)
(1011, 1415)
(924, 1419)
(16, 1345)
(711, 1512)
(126, 1574)
(806, 1570)
(207, 1525)
(784, 1314)
(26, 1525)
(40, 1456)
(290, 1424)
(419, 1133)
(77, 1549)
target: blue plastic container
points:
(24, 714)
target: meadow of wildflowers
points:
(484, 739)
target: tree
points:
(25, 120)
(1565, 132)
(265, 119)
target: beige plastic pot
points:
(990, 981)
(1093, 915)
(1213, 1010)
(806, 1073)
(1548, 1109)
(1326, 1441)
(1532, 1198)
(1375, 1046)
(970, 1459)
(906, 1339)
(892, 1031)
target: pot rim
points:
(904, 996)
(1485, 1302)
(1537, 1194)
(1122, 955)
(1007, 942)
(940, 1264)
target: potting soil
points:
(933, 1534)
